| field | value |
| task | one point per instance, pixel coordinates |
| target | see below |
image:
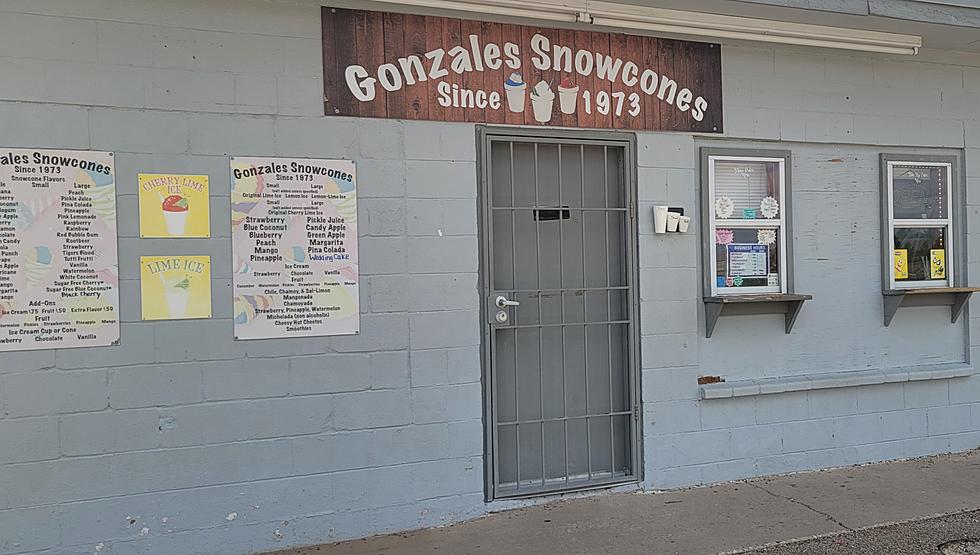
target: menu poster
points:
(175, 287)
(294, 247)
(59, 280)
(174, 205)
(748, 260)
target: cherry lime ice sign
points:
(391, 65)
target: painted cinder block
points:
(426, 140)
(225, 135)
(949, 420)
(809, 435)
(436, 179)
(29, 530)
(110, 432)
(155, 385)
(389, 370)
(431, 330)
(234, 421)
(433, 292)
(247, 379)
(29, 439)
(44, 126)
(54, 392)
(659, 150)
(125, 131)
(387, 408)
(332, 373)
(732, 412)
(385, 217)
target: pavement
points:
(928, 505)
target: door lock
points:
(502, 317)
(503, 302)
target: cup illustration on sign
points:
(37, 265)
(542, 101)
(175, 208)
(567, 96)
(516, 90)
(177, 291)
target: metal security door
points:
(558, 268)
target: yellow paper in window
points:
(901, 257)
(937, 263)
(175, 287)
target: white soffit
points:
(685, 23)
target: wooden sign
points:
(391, 65)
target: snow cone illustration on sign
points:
(102, 189)
(174, 205)
(177, 292)
(516, 90)
(567, 96)
(37, 265)
(175, 212)
(542, 101)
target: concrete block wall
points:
(180, 439)
(836, 112)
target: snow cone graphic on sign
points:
(102, 189)
(567, 96)
(516, 90)
(175, 209)
(37, 265)
(542, 101)
(177, 291)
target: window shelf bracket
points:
(955, 297)
(787, 304)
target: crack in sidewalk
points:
(828, 516)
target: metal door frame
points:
(626, 141)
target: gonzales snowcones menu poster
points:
(294, 247)
(59, 279)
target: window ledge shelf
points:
(955, 297)
(788, 304)
(833, 380)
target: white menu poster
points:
(59, 280)
(294, 246)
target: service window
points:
(746, 210)
(920, 220)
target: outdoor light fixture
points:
(687, 23)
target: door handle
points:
(503, 302)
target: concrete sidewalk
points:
(729, 517)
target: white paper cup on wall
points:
(673, 218)
(660, 219)
(683, 223)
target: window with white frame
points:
(747, 223)
(920, 224)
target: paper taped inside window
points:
(746, 184)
